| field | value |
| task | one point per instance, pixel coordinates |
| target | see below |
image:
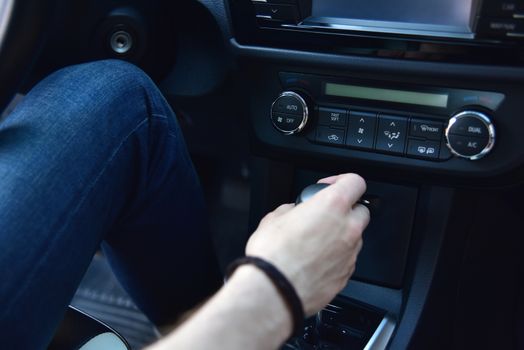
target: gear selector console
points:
(345, 324)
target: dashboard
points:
(428, 87)
(422, 98)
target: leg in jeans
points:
(94, 153)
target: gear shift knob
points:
(311, 190)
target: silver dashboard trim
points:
(305, 113)
(385, 27)
(489, 126)
(380, 339)
(6, 10)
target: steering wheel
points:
(22, 24)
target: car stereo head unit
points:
(443, 18)
(469, 20)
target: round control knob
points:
(470, 134)
(289, 113)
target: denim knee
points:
(109, 94)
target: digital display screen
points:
(387, 95)
(445, 16)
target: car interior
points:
(422, 98)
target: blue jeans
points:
(94, 156)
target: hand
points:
(316, 244)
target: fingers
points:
(360, 213)
(284, 208)
(343, 193)
(281, 210)
(328, 180)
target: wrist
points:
(274, 315)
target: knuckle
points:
(359, 181)
(266, 219)
(356, 227)
(336, 199)
(284, 207)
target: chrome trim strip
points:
(305, 114)
(486, 121)
(6, 10)
(380, 339)
(515, 35)
(111, 329)
(386, 30)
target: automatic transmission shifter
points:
(311, 190)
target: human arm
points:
(314, 245)
(247, 313)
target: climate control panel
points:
(468, 134)
(391, 133)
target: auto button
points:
(288, 104)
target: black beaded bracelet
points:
(282, 284)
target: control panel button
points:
(499, 27)
(426, 129)
(501, 8)
(423, 149)
(469, 126)
(470, 134)
(288, 105)
(361, 130)
(289, 113)
(332, 117)
(279, 1)
(277, 12)
(286, 121)
(467, 146)
(391, 134)
(330, 136)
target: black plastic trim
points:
(312, 59)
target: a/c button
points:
(467, 146)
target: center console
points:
(422, 98)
